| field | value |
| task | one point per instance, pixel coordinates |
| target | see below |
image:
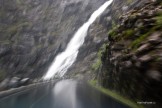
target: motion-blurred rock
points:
(4, 84)
(14, 82)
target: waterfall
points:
(65, 59)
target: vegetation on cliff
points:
(132, 58)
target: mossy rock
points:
(98, 62)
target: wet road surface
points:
(64, 94)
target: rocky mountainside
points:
(87, 63)
(129, 61)
(123, 51)
(32, 32)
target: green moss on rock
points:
(98, 62)
(134, 54)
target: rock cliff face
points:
(32, 32)
(129, 61)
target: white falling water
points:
(65, 59)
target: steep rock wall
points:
(32, 32)
(131, 59)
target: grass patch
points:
(159, 20)
(117, 97)
(96, 65)
(112, 32)
(128, 33)
(135, 43)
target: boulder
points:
(4, 84)
(155, 38)
(143, 49)
(128, 64)
(145, 58)
(14, 82)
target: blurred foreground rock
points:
(131, 61)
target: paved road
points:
(64, 94)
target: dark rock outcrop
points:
(131, 62)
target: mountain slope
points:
(32, 32)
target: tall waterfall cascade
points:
(65, 59)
